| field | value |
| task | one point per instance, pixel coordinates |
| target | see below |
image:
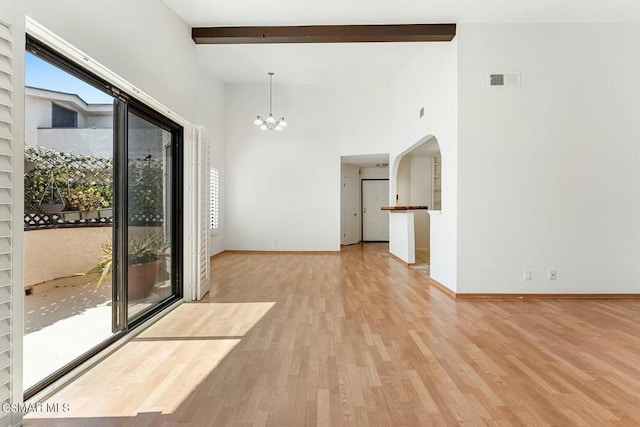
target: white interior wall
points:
(421, 229)
(283, 188)
(142, 41)
(430, 82)
(401, 235)
(403, 183)
(421, 178)
(549, 170)
(210, 114)
(360, 114)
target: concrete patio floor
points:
(64, 322)
(60, 324)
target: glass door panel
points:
(68, 207)
(149, 218)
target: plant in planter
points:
(144, 255)
(104, 267)
(89, 199)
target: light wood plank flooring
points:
(360, 339)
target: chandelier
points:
(270, 123)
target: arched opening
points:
(417, 183)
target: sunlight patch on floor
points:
(202, 334)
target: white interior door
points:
(375, 221)
(350, 208)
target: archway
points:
(417, 181)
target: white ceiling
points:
(313, 63)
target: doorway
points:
(354, 171)
(350, 217)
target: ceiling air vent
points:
(504, 79)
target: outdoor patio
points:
(61, 324)
(65, 321)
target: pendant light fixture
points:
(270, 123)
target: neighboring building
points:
(65, 122)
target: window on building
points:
(213, 196)
(62, 117)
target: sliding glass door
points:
(103, 197)
(150, 221)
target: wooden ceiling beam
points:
(325, 34)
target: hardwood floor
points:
(361, 339)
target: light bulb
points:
(270, 119)
(258, 121)
(263, 127)
(282, 123)
(278, 127)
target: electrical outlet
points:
(553, 274)
(527, 274)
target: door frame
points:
(362, 210)
(121, 228)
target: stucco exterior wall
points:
(61, 252)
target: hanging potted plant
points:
(51, 201)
